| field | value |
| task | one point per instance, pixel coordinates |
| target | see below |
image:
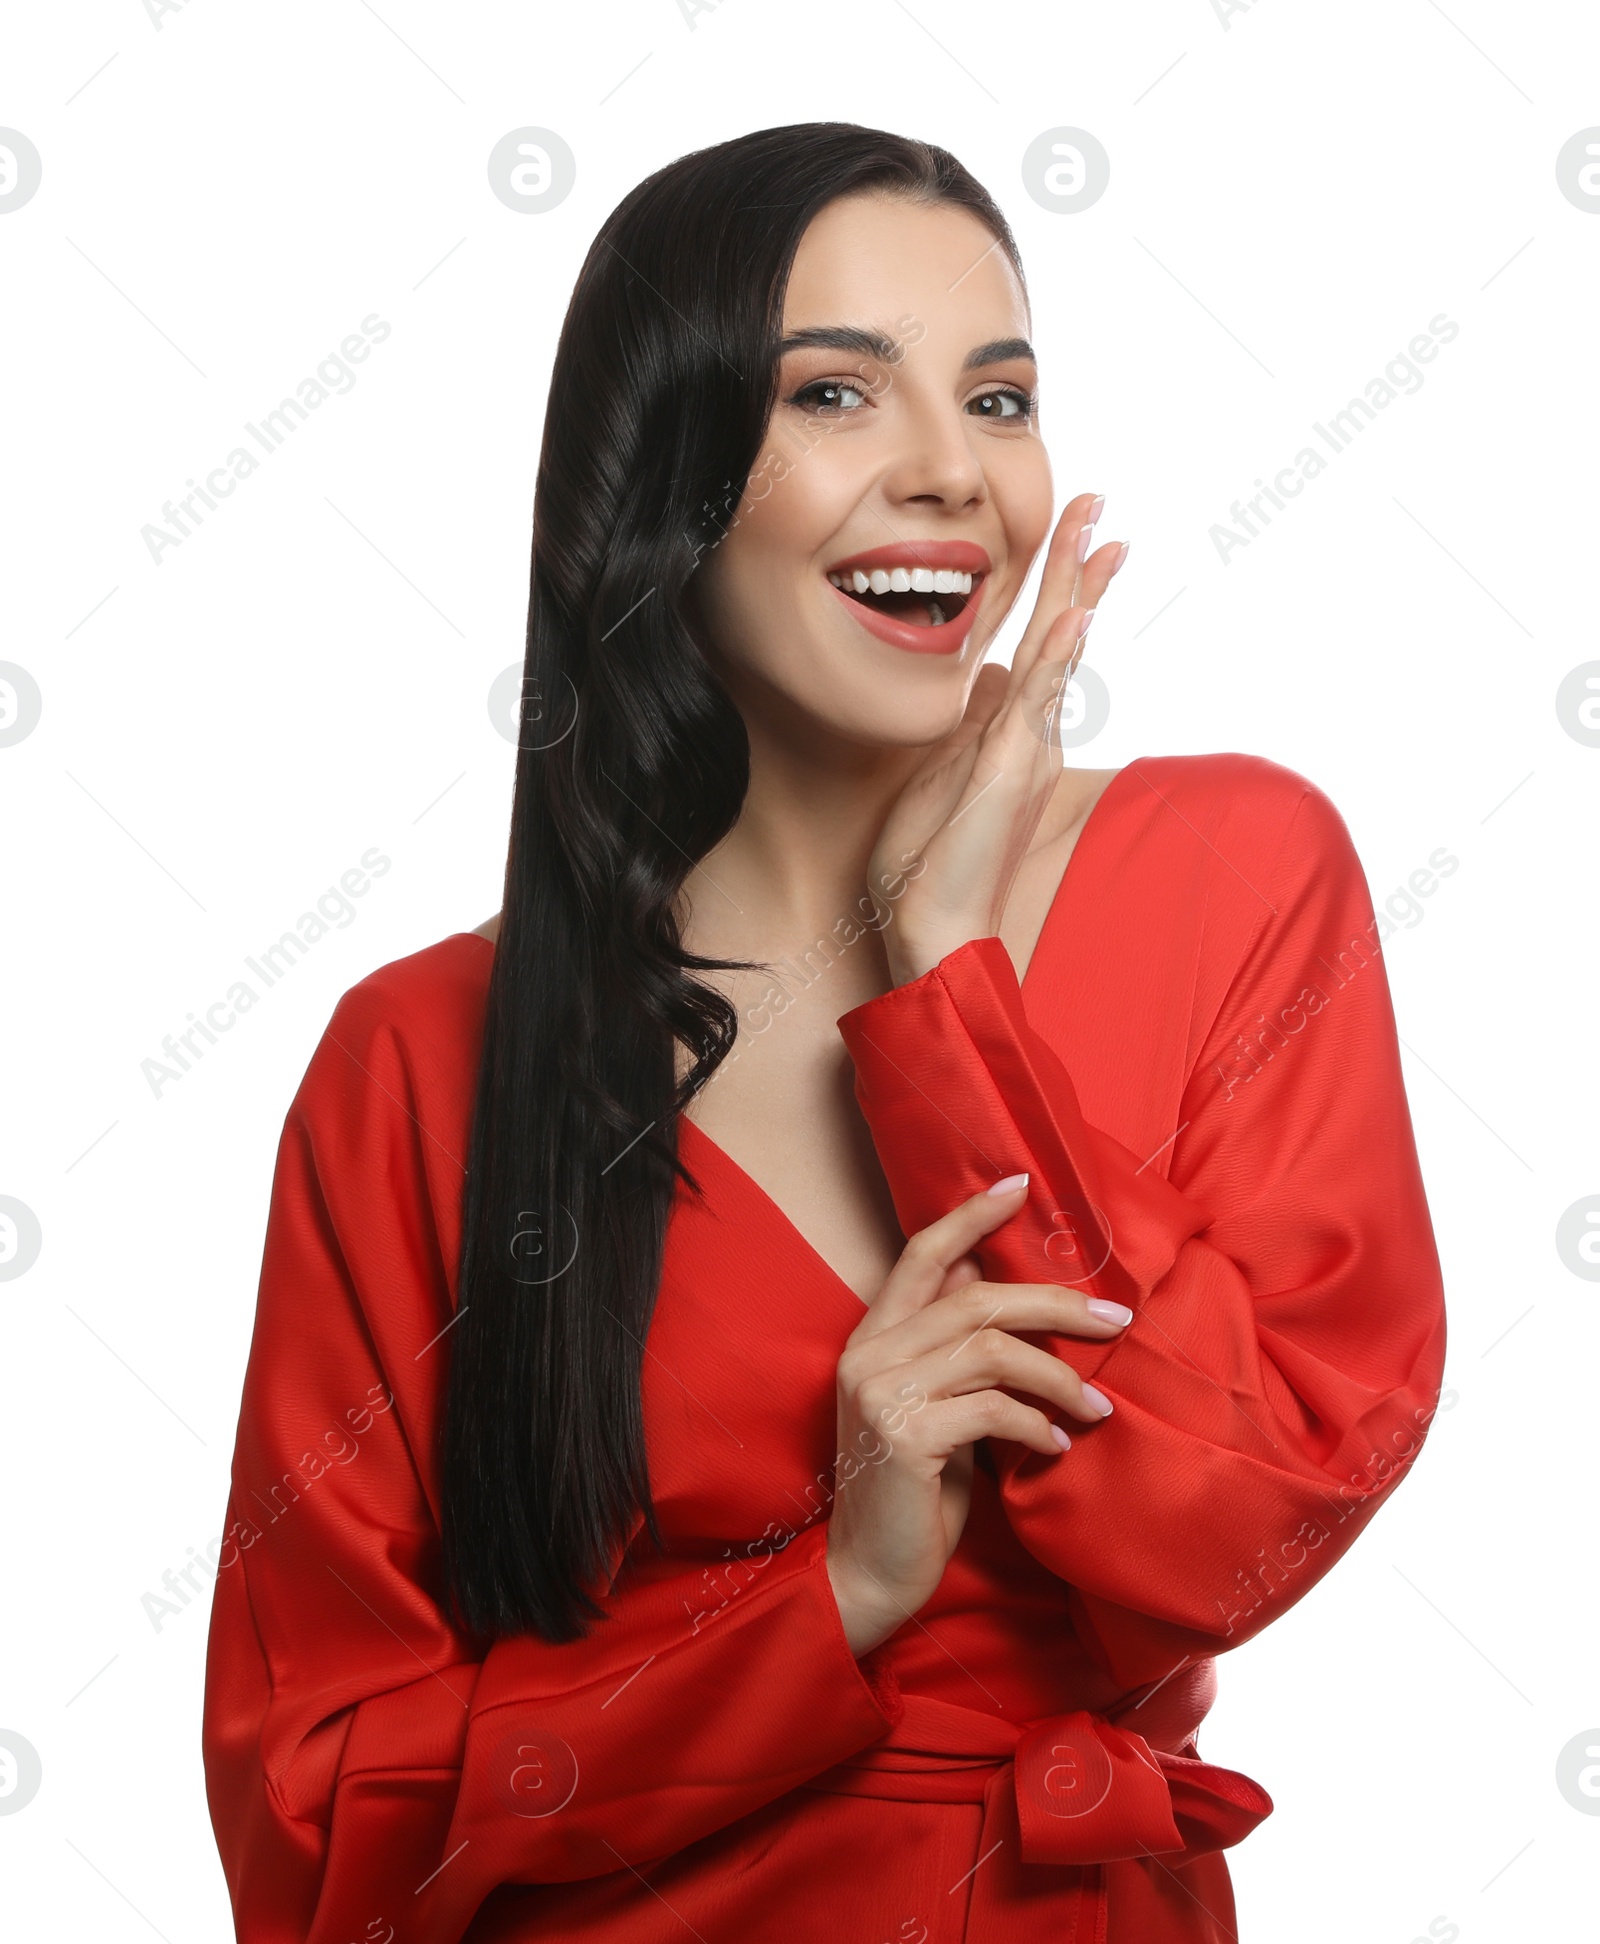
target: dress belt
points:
(1073, 1790)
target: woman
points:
(634, 1535)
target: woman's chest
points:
(739, 1373)
(753, 1310)
(784, 1103)
(739, 1405)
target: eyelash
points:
(1026, 403)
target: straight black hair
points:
(632, 764)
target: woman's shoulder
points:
(1226, 778)
(408, 1033)
(1246, 811)
(1191, 860)
(429, 988)
(367, 1193)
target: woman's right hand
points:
(918, 1382)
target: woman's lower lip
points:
(946, 638)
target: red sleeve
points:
(366, 1763)
(1288, 1339)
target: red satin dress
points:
(1200, 1071)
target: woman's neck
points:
(796, 861)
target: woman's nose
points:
(937, 463)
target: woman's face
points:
(905, 444)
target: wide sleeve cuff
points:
(706, 1721)
(1284, 1357)
(959, 1091)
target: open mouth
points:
(925, 597)
(920, 596)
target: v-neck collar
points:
(1055, 916)
(752, 1191)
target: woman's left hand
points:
(962, 825)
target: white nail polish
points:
(1117, 1313)
(1006, 1186)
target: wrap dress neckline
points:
(1056, 918)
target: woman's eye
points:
(831, 395)
(1002, 405)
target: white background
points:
(1295, 193)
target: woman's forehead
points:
(872, 260)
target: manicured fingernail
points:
(1086, 623)
(1097, 1400)
(1116, 565)
(1098, 508)
(1118, 1313)
(1005, 1187)
(1086, 541)
(1060, 1437)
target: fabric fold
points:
(960, 1092)
(356, 1742)
(1202, 1076)
(1061, 1797)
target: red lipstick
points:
(937, 556)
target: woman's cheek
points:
(1024, 493)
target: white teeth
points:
(903, 580)
(936, 614)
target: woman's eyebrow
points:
(875, 344)
(841, 337)
(997, 351)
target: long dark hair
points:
(632, 764)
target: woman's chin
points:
(892, 719)
(905, 702)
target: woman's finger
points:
(934, 789)
(1020, 736)
(1099, 570)
(951, 777)
(976, 1304)
(985, 700)
(1059, 582)
(1015, 732)
(987, 1359)
(946, 1426)
(930, 1254)
(959, 1275)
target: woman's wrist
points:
(865, 1618)
(910, 957)
(908, 961)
